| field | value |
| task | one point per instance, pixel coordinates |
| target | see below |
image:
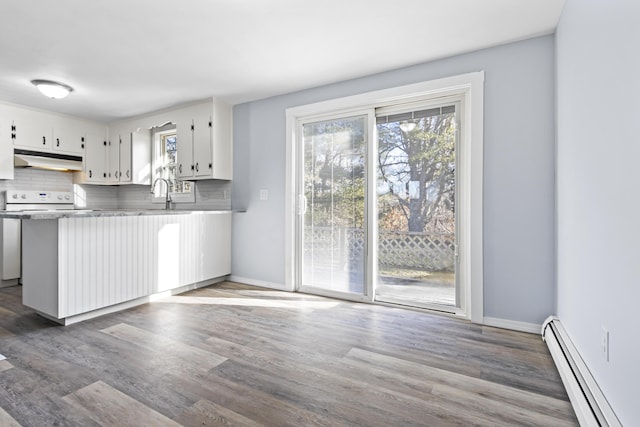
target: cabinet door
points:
(113, 155)
(67, 136)
(202, 149)
(222, 141)
(95, 158)
(31, 130)
(125, 172)
(184, 135)
(6, 149)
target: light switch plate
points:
(264, 194)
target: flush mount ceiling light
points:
(52, 89)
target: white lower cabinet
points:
(79, 267)
(9, 251)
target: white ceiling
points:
(127, 57)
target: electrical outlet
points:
(264, 194)
(604, 343)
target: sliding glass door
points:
(332, 206)
(416, 207)
(377, 214)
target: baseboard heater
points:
(590, 405)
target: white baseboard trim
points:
(129, 304)
(514, 325)
(588, 401)
(259, 283)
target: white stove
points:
(30, 200)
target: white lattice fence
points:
(345, 246)
(424, 251)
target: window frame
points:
(470, 89)
(159, 135)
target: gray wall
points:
(518, 179)
(598, 147)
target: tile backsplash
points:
(36, 179)
(210, 194)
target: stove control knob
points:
(67, 197)
(15, 196)
(24, 196)
(59, 196)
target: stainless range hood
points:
(51, 161)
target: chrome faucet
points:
(167, 201)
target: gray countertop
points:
(85, 213)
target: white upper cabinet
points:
(113, 156)
(124, 158)
(46, 132)
(68, 136)
(202, 144)
(184, 137)
(6, 148)
(204, 134)
(31, 130)
(203, 141)
(95, 159)
(135, 157)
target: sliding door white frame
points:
(470, 89)
(369, 208)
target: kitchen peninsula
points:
(84, 263)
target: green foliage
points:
(416, 173)
(334, 167)
(422, 158)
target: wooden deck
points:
(231, 354)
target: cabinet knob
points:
(13, 136)
(197, 169)
(44, 140)
(127, 173)
(191, 167)
(210, 166)
(180, 168)
(104, 175)
(57, 142)
(90, 173)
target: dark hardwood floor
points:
(232, 354)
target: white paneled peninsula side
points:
(82, 264)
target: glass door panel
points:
(332, 243)
(416, 204)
